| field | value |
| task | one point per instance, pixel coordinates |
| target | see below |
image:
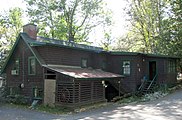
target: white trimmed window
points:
(171, 67)
(31, 66)
(126, 68)
(84, 63)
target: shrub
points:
(16, 99)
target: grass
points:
(58, 109)
(42, 108)
(54, 110)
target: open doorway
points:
(110, 91)
(152, 69)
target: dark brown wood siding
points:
(163, 75)
(64, 56)
(22, 52)
(71, 57)
(98, 60)
(115, 66)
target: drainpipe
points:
(23, 67)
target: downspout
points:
(23, 67)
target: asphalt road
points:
(167, 108)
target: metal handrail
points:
(141, 86)
(152, 82)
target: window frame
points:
(127, 68)
(82, 62)
(29, 64)
(171, 66)
(16, 66)
(39, 92)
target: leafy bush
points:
(54, 110)
(17, 99)
(3, 94)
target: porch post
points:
(73, 91)
(119, 82)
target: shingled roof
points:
(41, 41)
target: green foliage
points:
(14, 98)
(17, 99)
(147, 24)
(54, 110)
(130, 99)
(156, 28)
(107, 41)
(5, 96)
(10, 26)
(67, 19)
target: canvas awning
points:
(82, 73)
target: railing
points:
(143, 83)
(141, 86)
(152, 82)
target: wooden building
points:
(65, 73)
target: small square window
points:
(84, 63)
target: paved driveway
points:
(167, 108)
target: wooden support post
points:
(73, 91)
(92, 89)
(119, 82)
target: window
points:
(126, 67)
(84, 63)
(37, 92)
(171, 67)
(16, 68)
(31, 66)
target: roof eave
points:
(34, 52)
(13, 48)
(99, 78)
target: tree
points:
(176, 29)
(156, 27)
(146, 18)
(10, 27)
(107, 41)
(71, 19)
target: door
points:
(152, 69)
(49, 92)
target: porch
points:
(75, 86)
